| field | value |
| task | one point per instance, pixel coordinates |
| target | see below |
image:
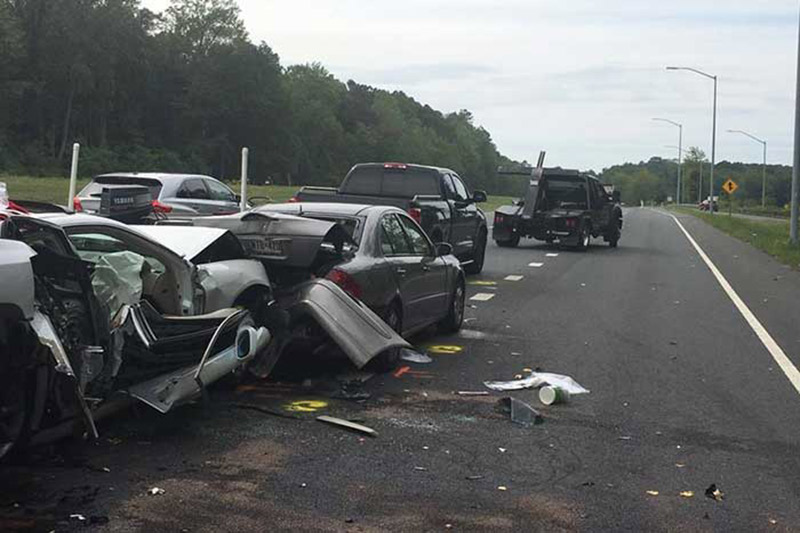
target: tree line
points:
(655, 181)
(185, 89)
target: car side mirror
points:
(479, 197)
(443, 248)
(237, 197)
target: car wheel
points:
(387, 360)
(510, 243)
(455, 314)
(478, 255)
(616, 232)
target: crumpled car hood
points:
(276, 237)
(188, 241)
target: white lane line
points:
(536, 265)
(551, 255)
(766, 339)
(482, 297)
(513, 278)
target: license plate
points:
(266, 246)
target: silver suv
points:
(174, 195)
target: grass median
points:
(771, 237)
(55, 190)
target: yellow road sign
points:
(729, 186)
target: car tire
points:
(510, 243)
(387, 360)
(478, 255)
(455, 312)
(616, 231)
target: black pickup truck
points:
(561, 205)
(435, 197)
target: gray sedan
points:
(173, 195)
(394, 267)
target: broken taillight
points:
(416, 214)
(158, 207)
(76, 205)
(347, 282)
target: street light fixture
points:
(763, 167)
(713, 132)
(680, 153)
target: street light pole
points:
(795, 198)
(680, 154)
(763, 166)
(713, 133)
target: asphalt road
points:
(683, 394)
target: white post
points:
(243, 202)
(73, 176)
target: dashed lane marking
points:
(481, 283)
(482, 297)
(551, 255)
(513, 278)
(536, 265)
(761, 332)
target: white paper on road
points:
(482, 297)
(552, 255)
(536, 265)
(538, 379)
(414, 357)
(513, 278)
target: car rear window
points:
(95, 188)
(402, 183)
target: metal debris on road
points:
(473, 478)
(472, 393)
(687, 494)
(78, 517)
(680, 465)
(714, 493)
(502, 487)
(156, 491)
(413, 356)
(520, 412)
(420, 469)
(482, 297)
(652, 492)
(625, 437)
(536, 380)
(347, 425)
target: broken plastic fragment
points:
(413, 356)
(502, 487)
(156, 491)
(687, 494)
(347, 425)
(714, 493)
(537, 379)
(652, 492)
(520, 412)
(78, 517)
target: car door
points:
(466, 217)
(193, 194)
(434, 289)
(600, 205)
(223, 200)
(407, 271)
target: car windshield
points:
(565, 192)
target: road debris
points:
(473, 478)
(78, 517)
(413, 356)
(520, 412)
(156, 491)
(502, 488)
(714, 493)
(652, 492)
(625, 437)
(680, 465)
(549, 395)
(536, 380)
(420, 469)
(347, 425)
(687, 494)
(472, 393)
(502, 450)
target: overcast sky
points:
(578, 78)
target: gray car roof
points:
(160, 176)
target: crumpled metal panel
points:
(359, 332)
